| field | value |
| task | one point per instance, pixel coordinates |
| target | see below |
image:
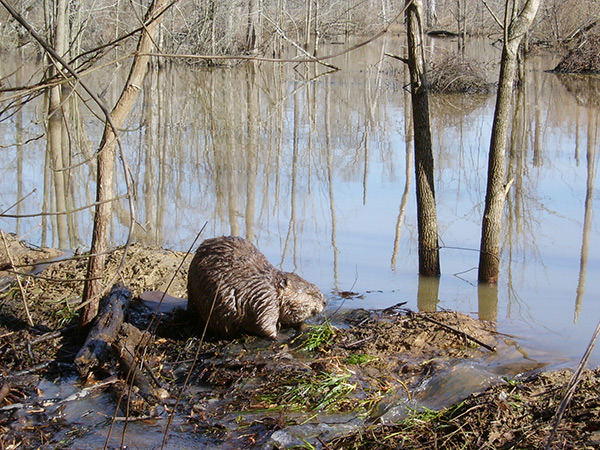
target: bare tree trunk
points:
(514, 31)
(93, 288)
(307, 24)
(253, 30)
(55, 125)
(429, 263)
(431, 13)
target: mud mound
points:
(451, 333)
(53, 296)
(22, 255)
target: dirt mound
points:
(22, 255)
(54, 294)
(451, 333)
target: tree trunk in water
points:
(94, 288)
(429, 263)
(489, 256)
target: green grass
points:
(317, 337)
(360, 359)
(325, 392)
(65, 313)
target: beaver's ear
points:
(283, 283)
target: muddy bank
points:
(350, 378)
(518, 413)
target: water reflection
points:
(428, 293)
(316, 169)
(592, 143)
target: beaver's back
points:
(234, 275)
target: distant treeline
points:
(269, 27)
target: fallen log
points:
(105, 328)
(130, 342)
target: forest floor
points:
(348, 381)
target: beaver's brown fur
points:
(249, 294)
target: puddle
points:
(161, 302)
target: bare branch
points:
(493, 14)
(58, 213)
(2, 214)
(29, 319)
(399, 58)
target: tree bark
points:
(55, 145)
(489, 256)
(253, 30)
(429, 263)
(93, 288)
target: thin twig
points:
(58, 280)
(52, 334)
(29, 319)
(399, 58)
(575, 379)
(17, 144)
(491, 348)
(16, 203)
(32, 369)
(58, 213)
(493, 14)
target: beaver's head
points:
(300, 300)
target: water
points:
(313, 167)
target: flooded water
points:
(316, 168)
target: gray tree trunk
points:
(253, 30)
(514, 31)
(55, 145)
(429, 262)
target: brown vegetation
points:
(585, 58)
(454, 75)
(518, 414)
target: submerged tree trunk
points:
(93, 288)
(497, 188)
(429, 263)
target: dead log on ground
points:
(105, 328)
(128, 346)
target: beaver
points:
(249, 294)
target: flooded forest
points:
(356, 144)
